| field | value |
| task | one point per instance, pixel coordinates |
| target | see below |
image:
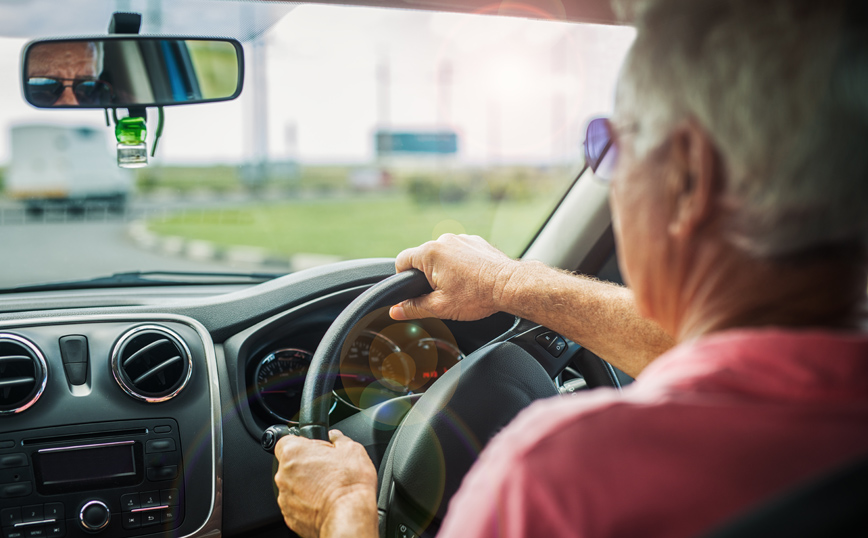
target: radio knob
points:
(94, 516)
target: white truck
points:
(65, 167)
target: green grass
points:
(364, 226)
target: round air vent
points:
(151, 363)
(23, 374)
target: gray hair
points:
(98, 55)
(781, 86)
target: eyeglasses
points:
(45, 91)
(601, 152)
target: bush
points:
(515, 184)
(430, 190)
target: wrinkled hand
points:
(469, 278)
(326, 489)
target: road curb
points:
(243, 256)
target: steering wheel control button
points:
(150, 499)
(557, 347)
(20, 489)
(404, 532)
(545, 339)
(132, 521)
(160, 445)
(169, 497)
(10, 461)
(130, 501)
(94, 516)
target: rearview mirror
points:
(131, 71)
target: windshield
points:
(360, 132)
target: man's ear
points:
(695, 181)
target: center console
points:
(128, 446)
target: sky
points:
(515, 90)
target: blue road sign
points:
(434, 142)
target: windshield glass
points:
(360, 132)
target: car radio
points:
(123, 478)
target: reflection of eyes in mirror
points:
(65, 73)
(134, 71)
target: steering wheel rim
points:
(324, 366)
(511, 368)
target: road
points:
(58, 246)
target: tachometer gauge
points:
(447, 356)
(280, 381)
(361, 371)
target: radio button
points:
(54, 511)
(169, 472)
(150, 518)
(132, 521)
(170, 497)
(160, 445)
(34, 532)
(10, 516)
(55, 530)
(170, 515)
(12, 532)
(9, 461)
(30, 514)
(150, 499)
(162, 429)
(19, 489)
(130, 501)
(94, 516)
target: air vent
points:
(23, 374)
(151, 363)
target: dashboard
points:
(137, 412)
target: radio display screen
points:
(80, 468)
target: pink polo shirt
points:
(709, 429)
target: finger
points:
(284, 445)
(418, 308)
(408, 259)
(335, 436)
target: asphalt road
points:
(60, 246)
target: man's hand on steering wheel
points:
(326, 489)
(470, 279)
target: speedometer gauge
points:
(280, 381)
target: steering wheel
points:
(441, 435)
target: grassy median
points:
(356, 227)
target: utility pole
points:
(384, 97)
(444, 93)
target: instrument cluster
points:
(380, 359)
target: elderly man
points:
(66, 74)
(739, 193)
